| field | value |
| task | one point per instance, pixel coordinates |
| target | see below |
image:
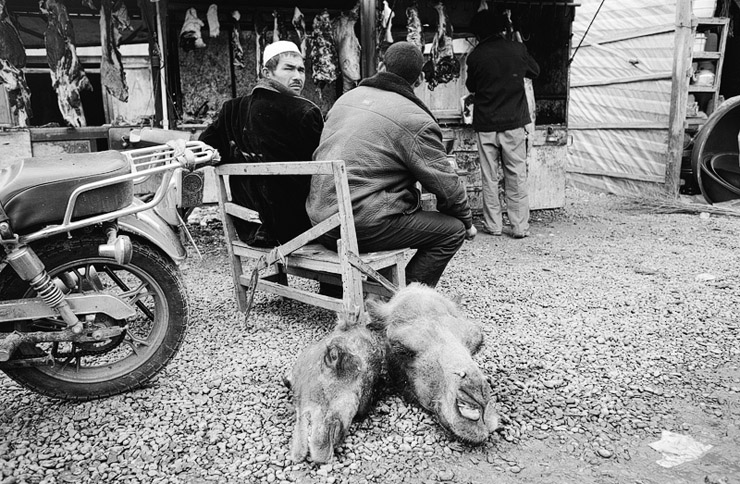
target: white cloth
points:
(677, 449)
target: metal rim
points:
(147, 329)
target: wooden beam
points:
(617, 174)
(616, 126)
(368, 37)
(634, 34)
(679, 97)
(279, 168)
(625, 80)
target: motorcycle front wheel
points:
(150, 283)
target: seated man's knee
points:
(456, 234)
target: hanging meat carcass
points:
(190, 35)
(236, 44)
(322, 51)
(414, 32)
(113, 19)
(258, 47)
(12, 62)
(67, 76)
(348, 47)
(385, 23)
(214, 27)
(299, 24)
(443, 67)
(279, 32)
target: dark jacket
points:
(388, 143)
(271, 124)
(496, 71)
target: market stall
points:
(203, 73)
(172, 64)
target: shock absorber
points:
(29, 267)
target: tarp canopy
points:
(620, 95)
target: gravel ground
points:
(603, 328)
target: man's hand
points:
(471, 233)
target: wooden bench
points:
(358, 274)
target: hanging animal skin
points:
(348, 47)
(12, 62)
(323, 54)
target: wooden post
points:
(368, 37)
(149, 16)
(679, 97)
(351, 277)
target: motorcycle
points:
(92, 303)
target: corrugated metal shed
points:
(620, 96)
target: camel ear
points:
(408, 339)
(340, 361)
(377, 315)
(471, 335)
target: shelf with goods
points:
(707, 59)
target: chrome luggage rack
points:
(144, 162)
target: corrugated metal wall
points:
(620, 95)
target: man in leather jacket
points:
(389, 140)
(273, 123)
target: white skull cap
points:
(278, 48)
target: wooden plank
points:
(368, 37)
(15, 144)
(695, 88)
(634, 34)
(546, 177)
(703, 55)
(351, 278)
(283, 168)
(67, 134)
(6, 115)
(297, 294)
(61, 147)
(613, 126)
(297, 242)
(625, 80)
(679, 97)
(230, 235)
(615, 174)
(238, 211)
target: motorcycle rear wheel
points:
(150, 283)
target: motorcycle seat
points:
(35, 191)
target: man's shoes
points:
(488, 231)
(518, 234)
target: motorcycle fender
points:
(153, 228)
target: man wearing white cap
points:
(272, 123)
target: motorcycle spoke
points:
(126, 289)
(135, 342)
(69, 359)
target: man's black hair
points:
(487, 23)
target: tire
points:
(152, 339)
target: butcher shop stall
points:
(79, 74)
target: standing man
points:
(389, 140)
(496, 71)
(273, 123)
